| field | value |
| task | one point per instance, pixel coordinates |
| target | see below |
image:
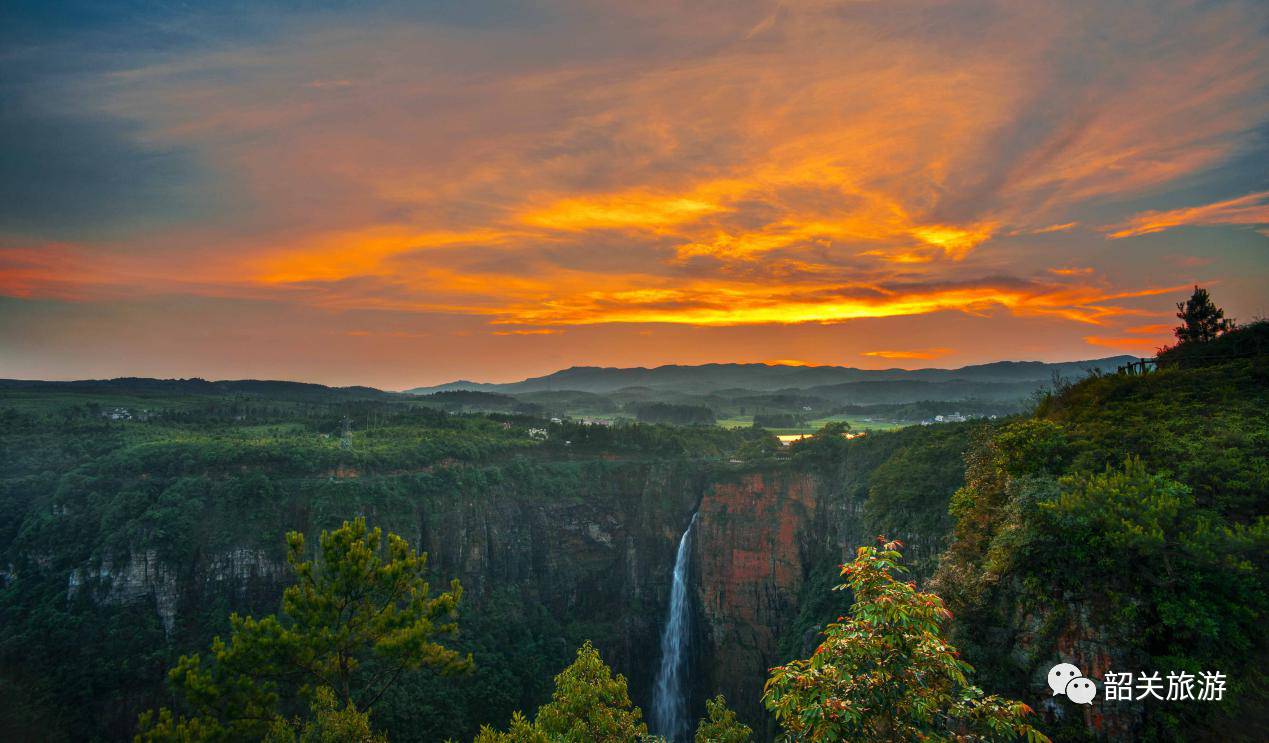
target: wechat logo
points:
(1066, 678)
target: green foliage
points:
(589, 705)
(353, 623)
(901, 482)
(764, 448)
(1245, 341)
(909, 491)
(328, 723)
(720, 724)
(778, 420)
(674, 414)
(201, 481)
(1174, 580)
(517, 647)
(1130, 510)
(828, 444)
(1201, 320)
(644, 440)
(887, 673)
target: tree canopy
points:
(589, 705)
(887, 672)
(1201, 320)
(353, 622)
(720, 724)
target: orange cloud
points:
(902, 256)
(814, 165)
(529, 331)
(929, 353)
(956, 242)
(622, 210)
(45, 271)
(1250, 209)
(724, 304)
(1055, 228)
(356, 253)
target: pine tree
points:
(349, 627)
(1201, 320)
(589, 705)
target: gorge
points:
(553, 550)
(693, 557)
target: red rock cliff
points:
(759, 535)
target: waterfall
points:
(669, 705)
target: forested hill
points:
(193, 386)
(1122, 525)
(767, 377)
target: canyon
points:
(592, 544)
(130, 543)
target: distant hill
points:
(709, 378)
(196, 386)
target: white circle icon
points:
(1081, 690)
(1061, 675)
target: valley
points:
(137, 515)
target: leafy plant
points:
(887, 673)
(720, 724)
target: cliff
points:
(130, 559)
(589, 546)
(759, 536)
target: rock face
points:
(604, 558)
(759, 537)
(599, 551)
(142, 576)
(1040, 643)
(755, 537)
(601, 555)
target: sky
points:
(401, 194)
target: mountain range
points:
(710, 378)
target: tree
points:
(1201, 320)
(760, 448)
(720, 724)
(826, 446)
(328, 724)
(887, 673)
(350, 626)
(589, 705)
(674, 414)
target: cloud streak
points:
(924, 354)
(710, 165)
(1252, 209)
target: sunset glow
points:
(925, 355)
(404, 197)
